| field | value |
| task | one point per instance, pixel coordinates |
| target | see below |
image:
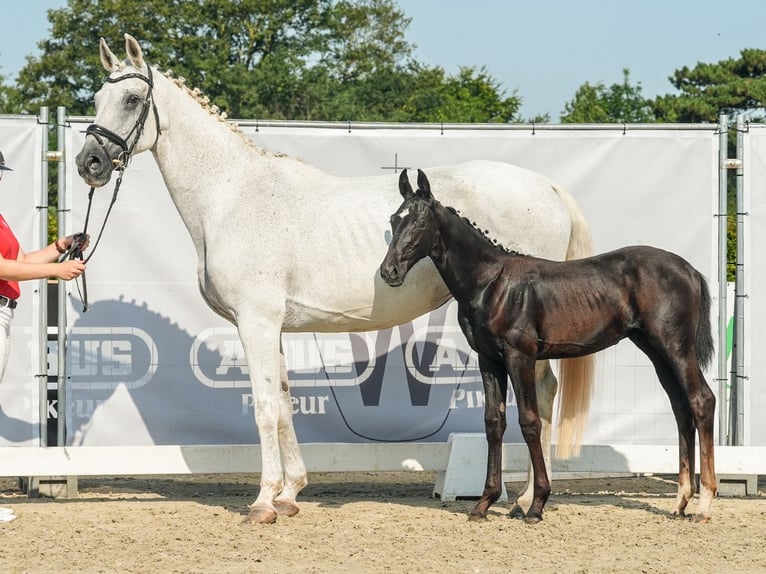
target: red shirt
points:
(9, 249)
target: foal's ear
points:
(424, 187)
(404, 185)
(110, 62)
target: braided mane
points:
(213, 110)
(484, 233)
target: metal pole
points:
(63, 216)
(723, 133)
(42, 320)
(736, 408)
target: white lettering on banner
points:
(108, 354)
(328, 359)
(462, 398)
(80, 408)
(232, 357)
(313, 360)
(447, 356)
(304, 405)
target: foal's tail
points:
(575, 375)
(705, 347)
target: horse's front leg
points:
(292, 461)
(260, 339)
(495, 379)
(521, 368)
(547, 386)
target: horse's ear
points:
(133, 50)
(108, 59)
(424, 187)
(404, 185)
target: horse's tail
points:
(575, 375)
(705, 346)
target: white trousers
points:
(6, 316)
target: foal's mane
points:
(483, 233)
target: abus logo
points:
(432, 354)
(100, 358)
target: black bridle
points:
(100, 133)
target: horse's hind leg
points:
(547, 385)
(495, 379)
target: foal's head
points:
(414, 230)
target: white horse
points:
(284, 247)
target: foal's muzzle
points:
(392, 274)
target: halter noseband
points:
(100, 132)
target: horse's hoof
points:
(477, 517)
(286, 507)
(680, 514)
(701, 518)
(260, 515)
(517, 512)
(532, 519)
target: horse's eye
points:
(133, 99)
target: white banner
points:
(151, 364)
(754, 301)
(21, 144)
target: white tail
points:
(575, 375)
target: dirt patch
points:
(370, 523)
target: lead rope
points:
(75, 249)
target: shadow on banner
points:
(150, 382)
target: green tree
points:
(707, 90)
(279, 59)
(250, 57)
(620, 103)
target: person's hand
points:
(70, 269)
(82, 239)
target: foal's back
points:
(572, 308)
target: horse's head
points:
(123, 105)
(414, 230)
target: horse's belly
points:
(370, 306)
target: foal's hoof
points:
(260, 515)
(517, 512)
(533, 518)
(286, 507)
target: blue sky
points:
(544, 49)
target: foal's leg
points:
(546, 392)
(702, 403)
(679, 402)
(495, 379)
(522, 371)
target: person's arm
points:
(40, 264)
(50, 252)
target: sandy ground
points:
(370, 523)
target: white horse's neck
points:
(199, 154)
